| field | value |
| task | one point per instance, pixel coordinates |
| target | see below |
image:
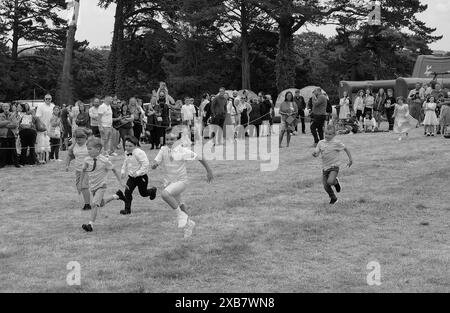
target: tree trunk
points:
(245, 61)
(65, 93)
(110, 80)
(15, 30)
(285, 61)
(120, 88)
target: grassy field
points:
(257, 232)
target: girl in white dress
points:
(403, 120)
(344, 105)
(431, 121)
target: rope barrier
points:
(155, 125)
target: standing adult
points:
(205, 109)
(415, 101)
(218, 113)
(378, 108)
(389, 107)
(82, 119)
(67, 127)
(265, 108)
(27, 133)
(318, 114)
(162, 113)
(138, 116)
(93, 114)
(8, 129)
(301, 106)
(44, 112)
(289, 113)
(105, 120)
(255, 116)
(124, 123)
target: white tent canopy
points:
(250, 94)
(306, 93)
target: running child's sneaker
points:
(334, 201)
(87, 227)
(153, 193)
(338, 185)
(87, 207)
(125, 212)
(188, 229)
(182, 219)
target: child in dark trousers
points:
(136, 166)
(329, 148)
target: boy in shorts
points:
(329, 148)
(97, 167)
(174, 156)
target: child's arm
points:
(83, 172)
(316, 152)
(350, 159)
(158, 159)
(209, 173)
(70, 157)
(119, 179)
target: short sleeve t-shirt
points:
(97, 170)
(175, 162)
(80, 153)
(107, 116)
(330, 153)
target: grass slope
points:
(257, 232)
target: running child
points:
(78, 152)
(135, 166)
(173, 156)
(329, 148)
(97, 167)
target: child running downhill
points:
(97, 167)
(174, 156)
(329, 148)
(136, 166)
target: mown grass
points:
(257, 231)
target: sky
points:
(96, 24)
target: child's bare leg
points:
(172, 201)
(86, 196)
(94, 212)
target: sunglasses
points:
(48, 99)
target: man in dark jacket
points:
(218, 112)
(318, 114)
(301, 105)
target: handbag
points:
(40, 126)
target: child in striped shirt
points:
(136, 166)
(97, 167)
(174, 156)
(329, 148)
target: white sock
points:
(91, 223)
(115, 197)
